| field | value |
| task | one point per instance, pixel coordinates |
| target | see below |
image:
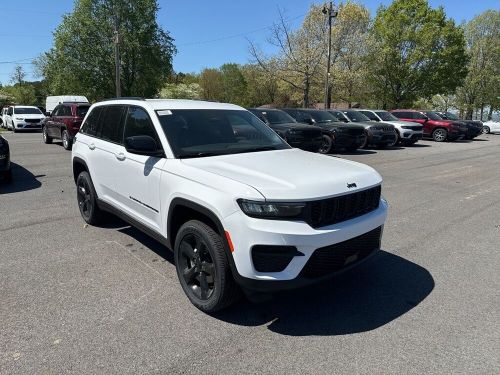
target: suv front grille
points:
(330, 259)
(385, 128)
(335, 210)
(32, 120)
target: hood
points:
(35, 116)
(291, 125)
(401, 123)
(291, 174)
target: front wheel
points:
(203, 268)
(439, 135)
(66, 141)
(326, 145)
(486, 130)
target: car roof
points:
(24, 106)
(159, 104)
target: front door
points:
(138, 183)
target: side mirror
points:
(426, 119)
(143, 145)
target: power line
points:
(234, 35)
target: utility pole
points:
(117, 57)
(331, 13)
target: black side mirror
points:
(143, 145)
(426, 119)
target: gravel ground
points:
(78, 299)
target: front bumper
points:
(348, 140)
(247, 232)
(306, 144)
(410, 135)
(27, 125)
(381, 137)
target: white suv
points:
(408, 132)
(241, 209)
(23, 117)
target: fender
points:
(208, 213)
(77, 160)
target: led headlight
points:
(271, 209)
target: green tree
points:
(480, 88)
(234, 85)
(211, 84)
(415, 52)
(18, 75)
(82, 58)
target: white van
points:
(53, 101)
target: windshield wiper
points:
(256, 149)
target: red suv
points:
(64, 123)
(434, 126)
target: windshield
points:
(82, 110)
(451, 116)
(433, 116)
(386, 116)
(278, 117)
(210, 132)
(355, 116)
(27, 111)
(322, 116)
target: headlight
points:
(19, 118)
(271, 209)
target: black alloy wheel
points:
(326, 144)
(197, 266)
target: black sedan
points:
(296, 135)
(474, 128)
(336, 135)
(378, 134)
(5, 171)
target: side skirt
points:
(135, 223)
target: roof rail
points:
(124, 98)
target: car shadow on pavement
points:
(370, 296)
(357, 152)
(22, 180)
(417, 145)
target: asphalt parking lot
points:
(77, 299)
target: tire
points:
(440, 135)
(66, 141)
(200, 259)
(366, 142)
(46, 138)
(326, 145)
(87, 199)
(14, 128)
(486, 130)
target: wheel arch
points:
(79, 166)
(182, 210)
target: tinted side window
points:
(91, 124)
(398, 114)
(55, 112)
(370, 115)
(65, 110)
(139, 123)
(111, 128)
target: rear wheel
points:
(326, 145)
(46, 138)
(203, 268)
(486, 130)
(439, 135)
(66, 140)
(87, 199)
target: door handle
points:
(120, 156)
(92, 146)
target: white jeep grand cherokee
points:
(241, 209)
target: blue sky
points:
(206, 33)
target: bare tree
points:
(301, 52)
(18, 75)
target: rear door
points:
(51, 123)
(138, 180)
(105, 124)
